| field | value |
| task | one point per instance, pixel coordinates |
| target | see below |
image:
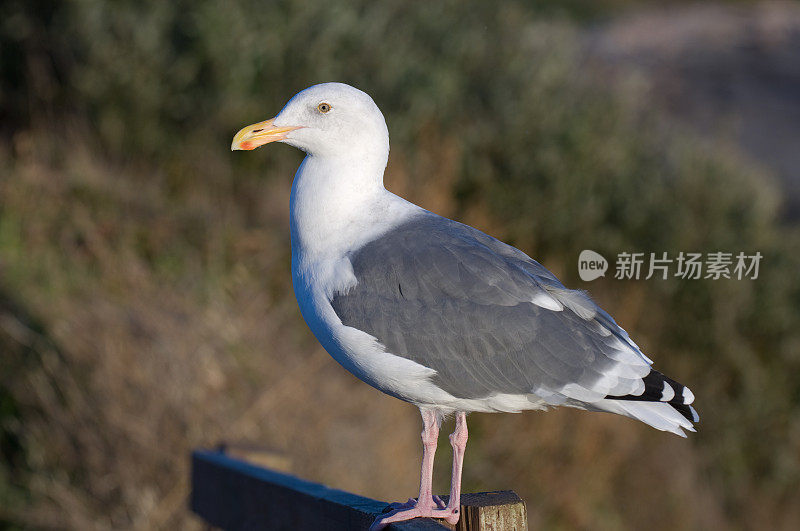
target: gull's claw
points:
(433, 508)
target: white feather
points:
(543, 299)
(668, 393)
(659, 415)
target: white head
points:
(330, 120)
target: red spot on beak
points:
(246, 145)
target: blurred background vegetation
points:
(145, 297)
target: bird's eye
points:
(324, 108)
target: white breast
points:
(331, 216)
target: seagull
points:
(435, 312)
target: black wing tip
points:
(655, 386)
(688, 412)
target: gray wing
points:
(486, 317)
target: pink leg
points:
(430, 438)
(458, 439)
(428, 505)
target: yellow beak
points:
(259, 134)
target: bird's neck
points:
(336, 203)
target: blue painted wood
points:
(235, 495)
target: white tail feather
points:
(659, 415)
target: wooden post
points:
(236, 495)
(492, 511)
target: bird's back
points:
(488, 319)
